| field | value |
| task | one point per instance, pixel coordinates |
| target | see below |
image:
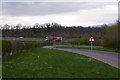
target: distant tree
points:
(12, 27)
(24, 27)
(36, 25)
(18, 26)
(6, 26)
(41, 26)
(104, 25)
(47, 25)
(55, 25)
(118, 22)
(111, 37)
(28, 27)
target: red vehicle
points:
(52, 38)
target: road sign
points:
(91, 39)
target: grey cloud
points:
(46, 8)
(60, 1)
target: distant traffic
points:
(53, 38)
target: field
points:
(46, 63)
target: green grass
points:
(89, 48)
(45, 63)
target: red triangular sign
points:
(91, 39)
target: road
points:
(25, 38)
(33, 38)
(110, 58)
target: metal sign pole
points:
(91, 45)
(91, 40)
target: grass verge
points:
(45, 63)
(89, 48)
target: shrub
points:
(79, 42)
(6, 47)
(84, 41)
(12, 47)
(111, 37)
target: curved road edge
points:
(107, 57)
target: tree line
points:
(105, 35)
(52, 29)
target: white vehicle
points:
(21, 37)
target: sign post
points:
(91, 40)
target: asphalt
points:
(110, 58)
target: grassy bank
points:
(45, 63)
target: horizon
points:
(44, 25)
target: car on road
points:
(21, 37)
(53, 38)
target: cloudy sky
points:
(64, 13)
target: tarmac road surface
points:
(110, 58)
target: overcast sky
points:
(64, 13)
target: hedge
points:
(79, 42)
(6, 47)
(12, 47)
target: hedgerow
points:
(12, 47)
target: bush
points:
(84, 42)
(12, 47)
(6, 47)
(111, 37)
(79, 42)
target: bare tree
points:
(36, 25)
(6, 26)
(18, 26)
